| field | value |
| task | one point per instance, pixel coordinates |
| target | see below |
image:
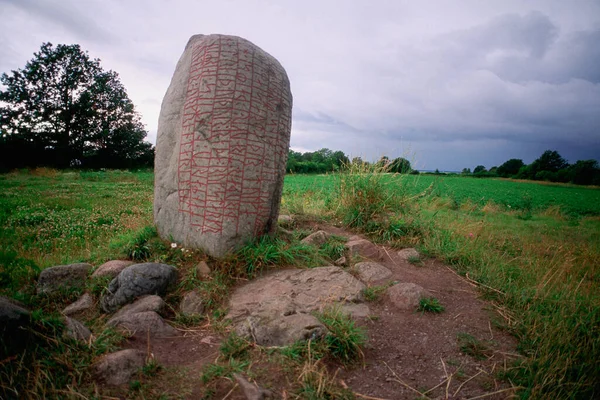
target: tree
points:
(400, 165)
(479, 169)
(510, 167)
(550, 161)
(62, 110)
(466, 171)
(585, 172)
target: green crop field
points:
(570, 199)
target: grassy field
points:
(533, 249)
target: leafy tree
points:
(550, 161)
(466, 171)
(479, 169)
(510, 167)
(585, 172)
(63, 110)
(400, 165)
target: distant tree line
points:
(325, 160)
(550, 166)
(63, 110)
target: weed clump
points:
(430, 304)
(344, 340)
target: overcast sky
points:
(447, 84)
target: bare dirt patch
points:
(455, 354)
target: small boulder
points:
(111, 268)
(317, 238)
(363, 248)
(356, 310)
(408, 254)
(76, 330)
(285, 220)
(84, 303)
(203, 269)
(281, 331)
(406, 296)
(138, 280)
(142, 323)
(341, 262)
(60, 277)
(14, 320)
(371, 271)
(117, 368)
(149, 302)
(191, 304)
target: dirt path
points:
(456, 354)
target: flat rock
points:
(85, 302)
(371, 271)
(270, 330)
(118, 368)
(191, 304)
(407, 254)
(406, 296)
(111, 268)
(142, 323)
(61, 277)
(363, 248)
(138, 280)
(76, 330)
(276, 308)
(149, 302)
(316, 238)
(222, 143)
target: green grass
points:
(345, 339)
(430, 304)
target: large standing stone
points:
(223, 139)
(138, 280)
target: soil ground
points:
(409, 354)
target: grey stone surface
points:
(60, 277)
(369, 271)
(149, 302)
(85, 302)
(275, 309)
(341, 262)
(363, 248)
(270, 330)
(117, 368)
(222, 144)
(111, 268)
(316, 238)
(251, 391)
(138, 280)
(406, 296)
(142, 323)
(76, 330)
(191, 304)
(285, 220)
(407, 254)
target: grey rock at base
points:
(407, 254)
(252, 392)
(363, 248)
(341, 262)
(222, 145)
(203, 269)
(371, 271)
(149, 302)
(76, 330)
(406, 296)
(191, 304)
(85, 302)
(60, 277)
(317, 238)
(118, 368)
(285, 220)
(138, 280)
(111, 268)
(276, 309)
(143, 323)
